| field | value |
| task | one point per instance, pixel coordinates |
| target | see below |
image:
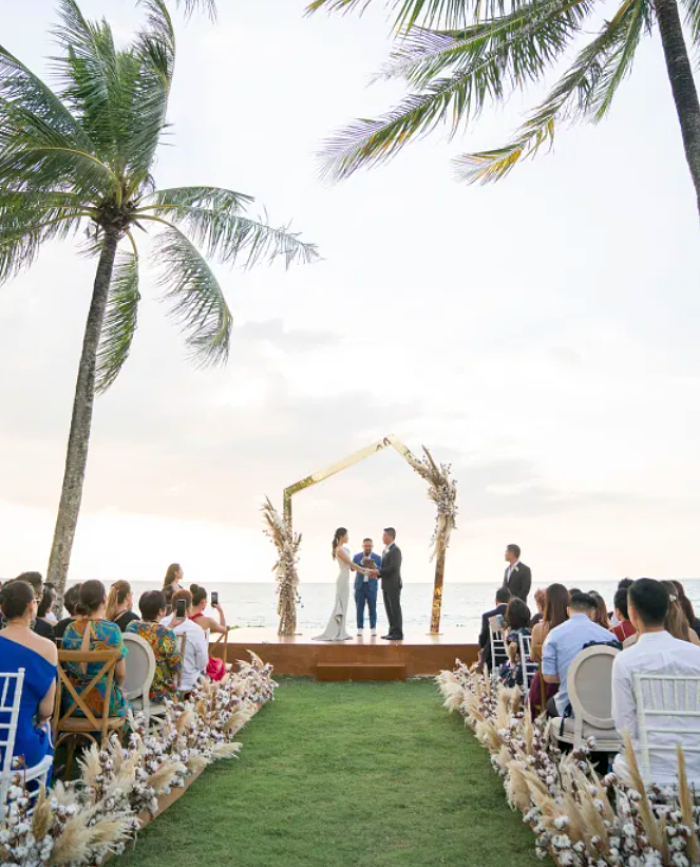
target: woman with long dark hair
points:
(556, 612)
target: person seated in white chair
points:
(196, 657)
(655, 652)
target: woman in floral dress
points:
(164, 642)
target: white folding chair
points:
(499, 652)
(183, 651)
(9, 707)
(668, 713)
(140, 670)
(589, 684)
(529, 667)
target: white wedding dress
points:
(335, 631)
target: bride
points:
(335, 631)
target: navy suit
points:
(485, 635)
(366, 592)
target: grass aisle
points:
(333, 775)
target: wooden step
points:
(331, 671)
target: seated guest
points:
(164, 643)
(70, 600)
(676, 621)
(92, 631)
(44, 624)
(656, 652)
(21, 647)
(216, 668)
(688, 609)
(555, 613)
(601, 613)
(540, 596)
(565, 642)
(517, 619)
(119, 604)
(622, 585)
(196, 657)
(41, 627)
(624, 628)
(502, 600)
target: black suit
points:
(485, 634)
(520, 581)
(390, 573)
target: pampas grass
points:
(72, 845)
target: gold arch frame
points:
(387, 442)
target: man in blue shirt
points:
(565, 642)
(366, 588)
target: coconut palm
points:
(468, 52)
(79, 159)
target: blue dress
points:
(33, 742)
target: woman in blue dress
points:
(20, 647)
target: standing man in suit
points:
(390, 573)
(518, 577)
(366, 587)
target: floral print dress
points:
(166, 650)
(103, 635)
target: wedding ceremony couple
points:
(370, 568)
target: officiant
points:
(366, 587)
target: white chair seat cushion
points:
(588, 731)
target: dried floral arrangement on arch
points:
(85, 821)
(578, 818)
(287, 543)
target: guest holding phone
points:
(196, 653)
(216, 668)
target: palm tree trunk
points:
(685, 94)
(79, 437)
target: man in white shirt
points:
(196, 657)
(655, 652)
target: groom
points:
(390, 573)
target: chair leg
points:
(70, 753)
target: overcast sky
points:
(541, 334)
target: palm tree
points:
(79, 159)
(489, 48)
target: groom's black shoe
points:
(392, 637)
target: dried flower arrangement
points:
(579, 819)
(85, 821)
(442, 490)
(287, 543)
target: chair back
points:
(183, 649)
(79, 696)
(668, 714)
(497, 638)
(10, 697)
(589, 684)
(140, 666)
(529, 667)
(223, 639)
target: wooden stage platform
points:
(356, 659)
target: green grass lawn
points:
(340, 774)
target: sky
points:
(539, 334)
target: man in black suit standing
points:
(518, 577)
(390, 573)
(502, 600)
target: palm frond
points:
(198, 197)
(26, 227)
(580, 92)
(198, 303)
(207, 6)
(120, 320)
(430, 13)
(692, 19)
(491, 59)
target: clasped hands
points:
(372, 573)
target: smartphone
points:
(214, 597)
(180, 608)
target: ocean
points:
(255, 604)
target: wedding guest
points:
(517, 577)
(173, 577)
(120, 602)
(688, 609)
(70, 600)
(502, 600)
(92, 631)
(196, 655)
(624, 584)
(48, 611)
(517, 619)
(676, 621)
(164, 643)
(656, 652)
(624, 628)
(22, 648)
(565, 642)
(44, 625)
(216, 668)
(35, 579)
(555, 613)
(540, 596)
(601, 613)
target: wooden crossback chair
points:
(223, 639)
(68, 726)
